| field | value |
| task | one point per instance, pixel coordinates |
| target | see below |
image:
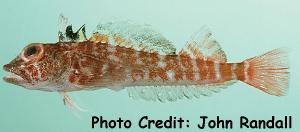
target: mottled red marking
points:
(89, 48)
(46, 68)
(158, 72)
(72, 78)
(137, 74)
(83, 79)
(101, 51)
(194, 51)
(251, 71)
(225, 71)
(95, 63)
(172, 63)
(87, 62)
(149, 58)
(115, 72)
(239, 71)
(33, 71)
(25, 75)
(127, 55)
(44, 76)
(75, 63)
(143, 56)
(80, 47)
(187, 66)
(201, 64)
(211, 71)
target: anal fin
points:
(174, 93)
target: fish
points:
(123, 55)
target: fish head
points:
(35, 67)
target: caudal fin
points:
(268, 72)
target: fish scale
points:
(145, 63)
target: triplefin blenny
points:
(123, 55)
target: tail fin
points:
(268, 72)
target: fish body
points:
(116, 62)
(89, 64)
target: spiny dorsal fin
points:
(62, 24)
(81, 32)
(77, 36)
(66, 34)
(203, 45)
(139, 37)
(98, 38)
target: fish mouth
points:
(14, 79)
(12, 76)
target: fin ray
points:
(139, 37)
(173, 93)
(269, 72)
(65, 31)
(203, 45)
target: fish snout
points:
(7, 67)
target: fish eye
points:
(32, 52)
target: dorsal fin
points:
(139, 37)
(62, 25)
(66, 33)
(98, 38)
(77, 36)
(203, 45)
